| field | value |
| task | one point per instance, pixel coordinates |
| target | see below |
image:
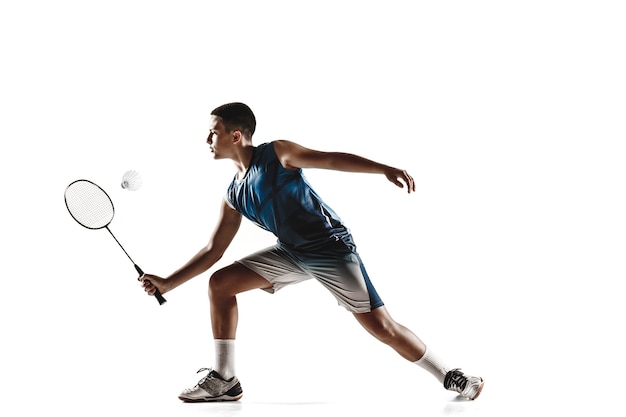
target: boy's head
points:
(236, 116)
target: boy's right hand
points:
(151, 283)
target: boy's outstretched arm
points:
(294, 156)
(223, 234)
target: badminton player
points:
(269, 189)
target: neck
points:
(243, 159)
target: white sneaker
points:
(213, 388)
(467, 386)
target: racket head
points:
(89, 204)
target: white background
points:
(508, 260)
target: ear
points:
(236, 136)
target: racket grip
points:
(159, 297)
(157, 294)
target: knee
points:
(218, 284)
(384, 329)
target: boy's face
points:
(220, 141)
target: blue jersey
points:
(282, 201)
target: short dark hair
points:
(237, 116)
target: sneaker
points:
(467, 386)
(213, 388)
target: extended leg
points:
(380, 324)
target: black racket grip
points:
(157, 294)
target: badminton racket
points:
(92, 208)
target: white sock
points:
(433, 364)
(225, 358)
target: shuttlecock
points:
(131, 180)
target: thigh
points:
(277, 266)
(347, 279)
(236, 278)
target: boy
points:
(270, 190)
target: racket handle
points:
(159, 297)
(157, 294)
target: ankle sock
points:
(433, 364)
(225, 358)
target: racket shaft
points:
(157, 294)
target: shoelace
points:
(206, 376)
(455, 380)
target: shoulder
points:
(295, 156)
(287, 152)
(282, 145)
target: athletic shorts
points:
(344, 276)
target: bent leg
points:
(224, 285)
(382, 326)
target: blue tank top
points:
(282, 201)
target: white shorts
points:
(344, 276)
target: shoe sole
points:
(222, 398)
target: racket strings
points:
(89, 205)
